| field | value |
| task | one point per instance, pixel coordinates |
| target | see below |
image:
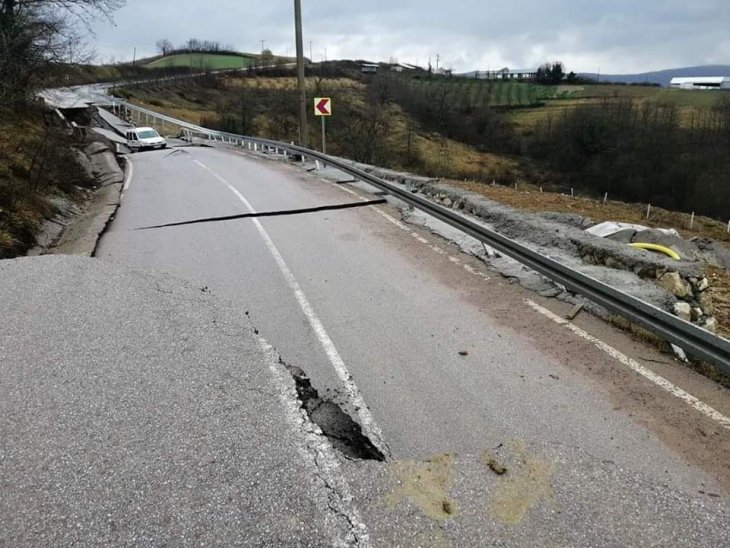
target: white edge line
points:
(636, 366)
(611, 351)
(319, 456)
(367, 421)
(128, 178)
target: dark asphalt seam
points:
(283, 212)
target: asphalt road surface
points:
(499, 425)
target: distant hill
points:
(662, 77)
(211, 61)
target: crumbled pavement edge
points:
(81, 236)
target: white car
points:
(142, 138)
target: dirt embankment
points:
(49, 176)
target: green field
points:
(679, 97)
(690, 103)
(204, 61)
(472, 93)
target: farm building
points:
(703, 82)
(369, 68)
(507, 74)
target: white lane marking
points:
(436, 249)
(372, 430)
(660, 381)
(636, 366)
(319, 456)
(128, 179)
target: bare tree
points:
(164, 46)
(37, 34)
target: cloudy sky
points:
(613, 36)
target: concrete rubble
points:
(677, 286)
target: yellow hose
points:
(655, 247)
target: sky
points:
(610, 37)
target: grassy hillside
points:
(208, 61)
(639, 144)
(383, 134)
(37, 165)
(689, 102)
(472, 93)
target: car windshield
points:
(148, 134)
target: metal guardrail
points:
(696, 341)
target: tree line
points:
(194, 45)
(36, 35)
(641, 152)
(636, 151)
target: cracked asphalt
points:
(124, 384)
(139, 411)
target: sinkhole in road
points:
(344, 433)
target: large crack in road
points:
(344, 433)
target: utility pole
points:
(301, 82)
(311, 58)
(263, 46)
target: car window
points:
(148, 134)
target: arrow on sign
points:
(323, 106)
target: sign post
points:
(323, 109)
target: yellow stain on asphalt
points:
(426, 484)
(522, 488)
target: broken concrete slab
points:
(683, 310)
(104, 164)
(625, 236)
(685, 249)
(713, 252)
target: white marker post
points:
(324, 135)
(323, 109)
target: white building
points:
(701, 82)
(505, 74)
